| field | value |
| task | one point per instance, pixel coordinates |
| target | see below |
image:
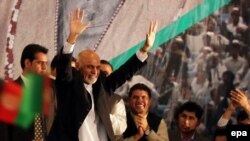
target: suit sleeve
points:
(125, 72)
(63, 68)
(161, 134)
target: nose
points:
(187, 122)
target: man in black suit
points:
(83, 110)
(33, 59)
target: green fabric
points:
(31, 102)
(170, 31)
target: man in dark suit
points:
(83, 110)
(33, 59)
(188, 118)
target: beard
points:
(90, 80)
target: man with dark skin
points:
(188, 118)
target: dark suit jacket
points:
(74, 102)
(4, 132)
(175, 135)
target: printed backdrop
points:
(117, 30)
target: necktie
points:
(38, 134)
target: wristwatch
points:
(147, 132)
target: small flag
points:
(19, 104)
(10, 99)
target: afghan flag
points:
(19, 104)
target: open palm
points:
(150, 36)
(77, 26)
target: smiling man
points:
(83, 108)
(188, 118)
(142, 124)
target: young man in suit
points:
(33, 59)
(83, 110)
(142, 124)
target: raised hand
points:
(77, 26)
(239, 98)
(150, 36)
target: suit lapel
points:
(101, 107)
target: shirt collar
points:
(88, 87)
(25, 80)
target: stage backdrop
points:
(117, 30)
(24, 22)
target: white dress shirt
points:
(118, 118)
(92, 129)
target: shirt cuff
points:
(222, 122)
(68, 48)
(141, 56)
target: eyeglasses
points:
(41, 62)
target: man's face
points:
(235, 17)
(38, 65)
(90, 69)
(106, 69)
(139, 102)
(187, 122)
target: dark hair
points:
(242, 115)
(30, 51)
(235, 45)
(191, 107)
(140, 86)
(105, 62)
(220, 132)
(230, 75)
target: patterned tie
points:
(38, 134)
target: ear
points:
(77, 65)
(27, 63)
